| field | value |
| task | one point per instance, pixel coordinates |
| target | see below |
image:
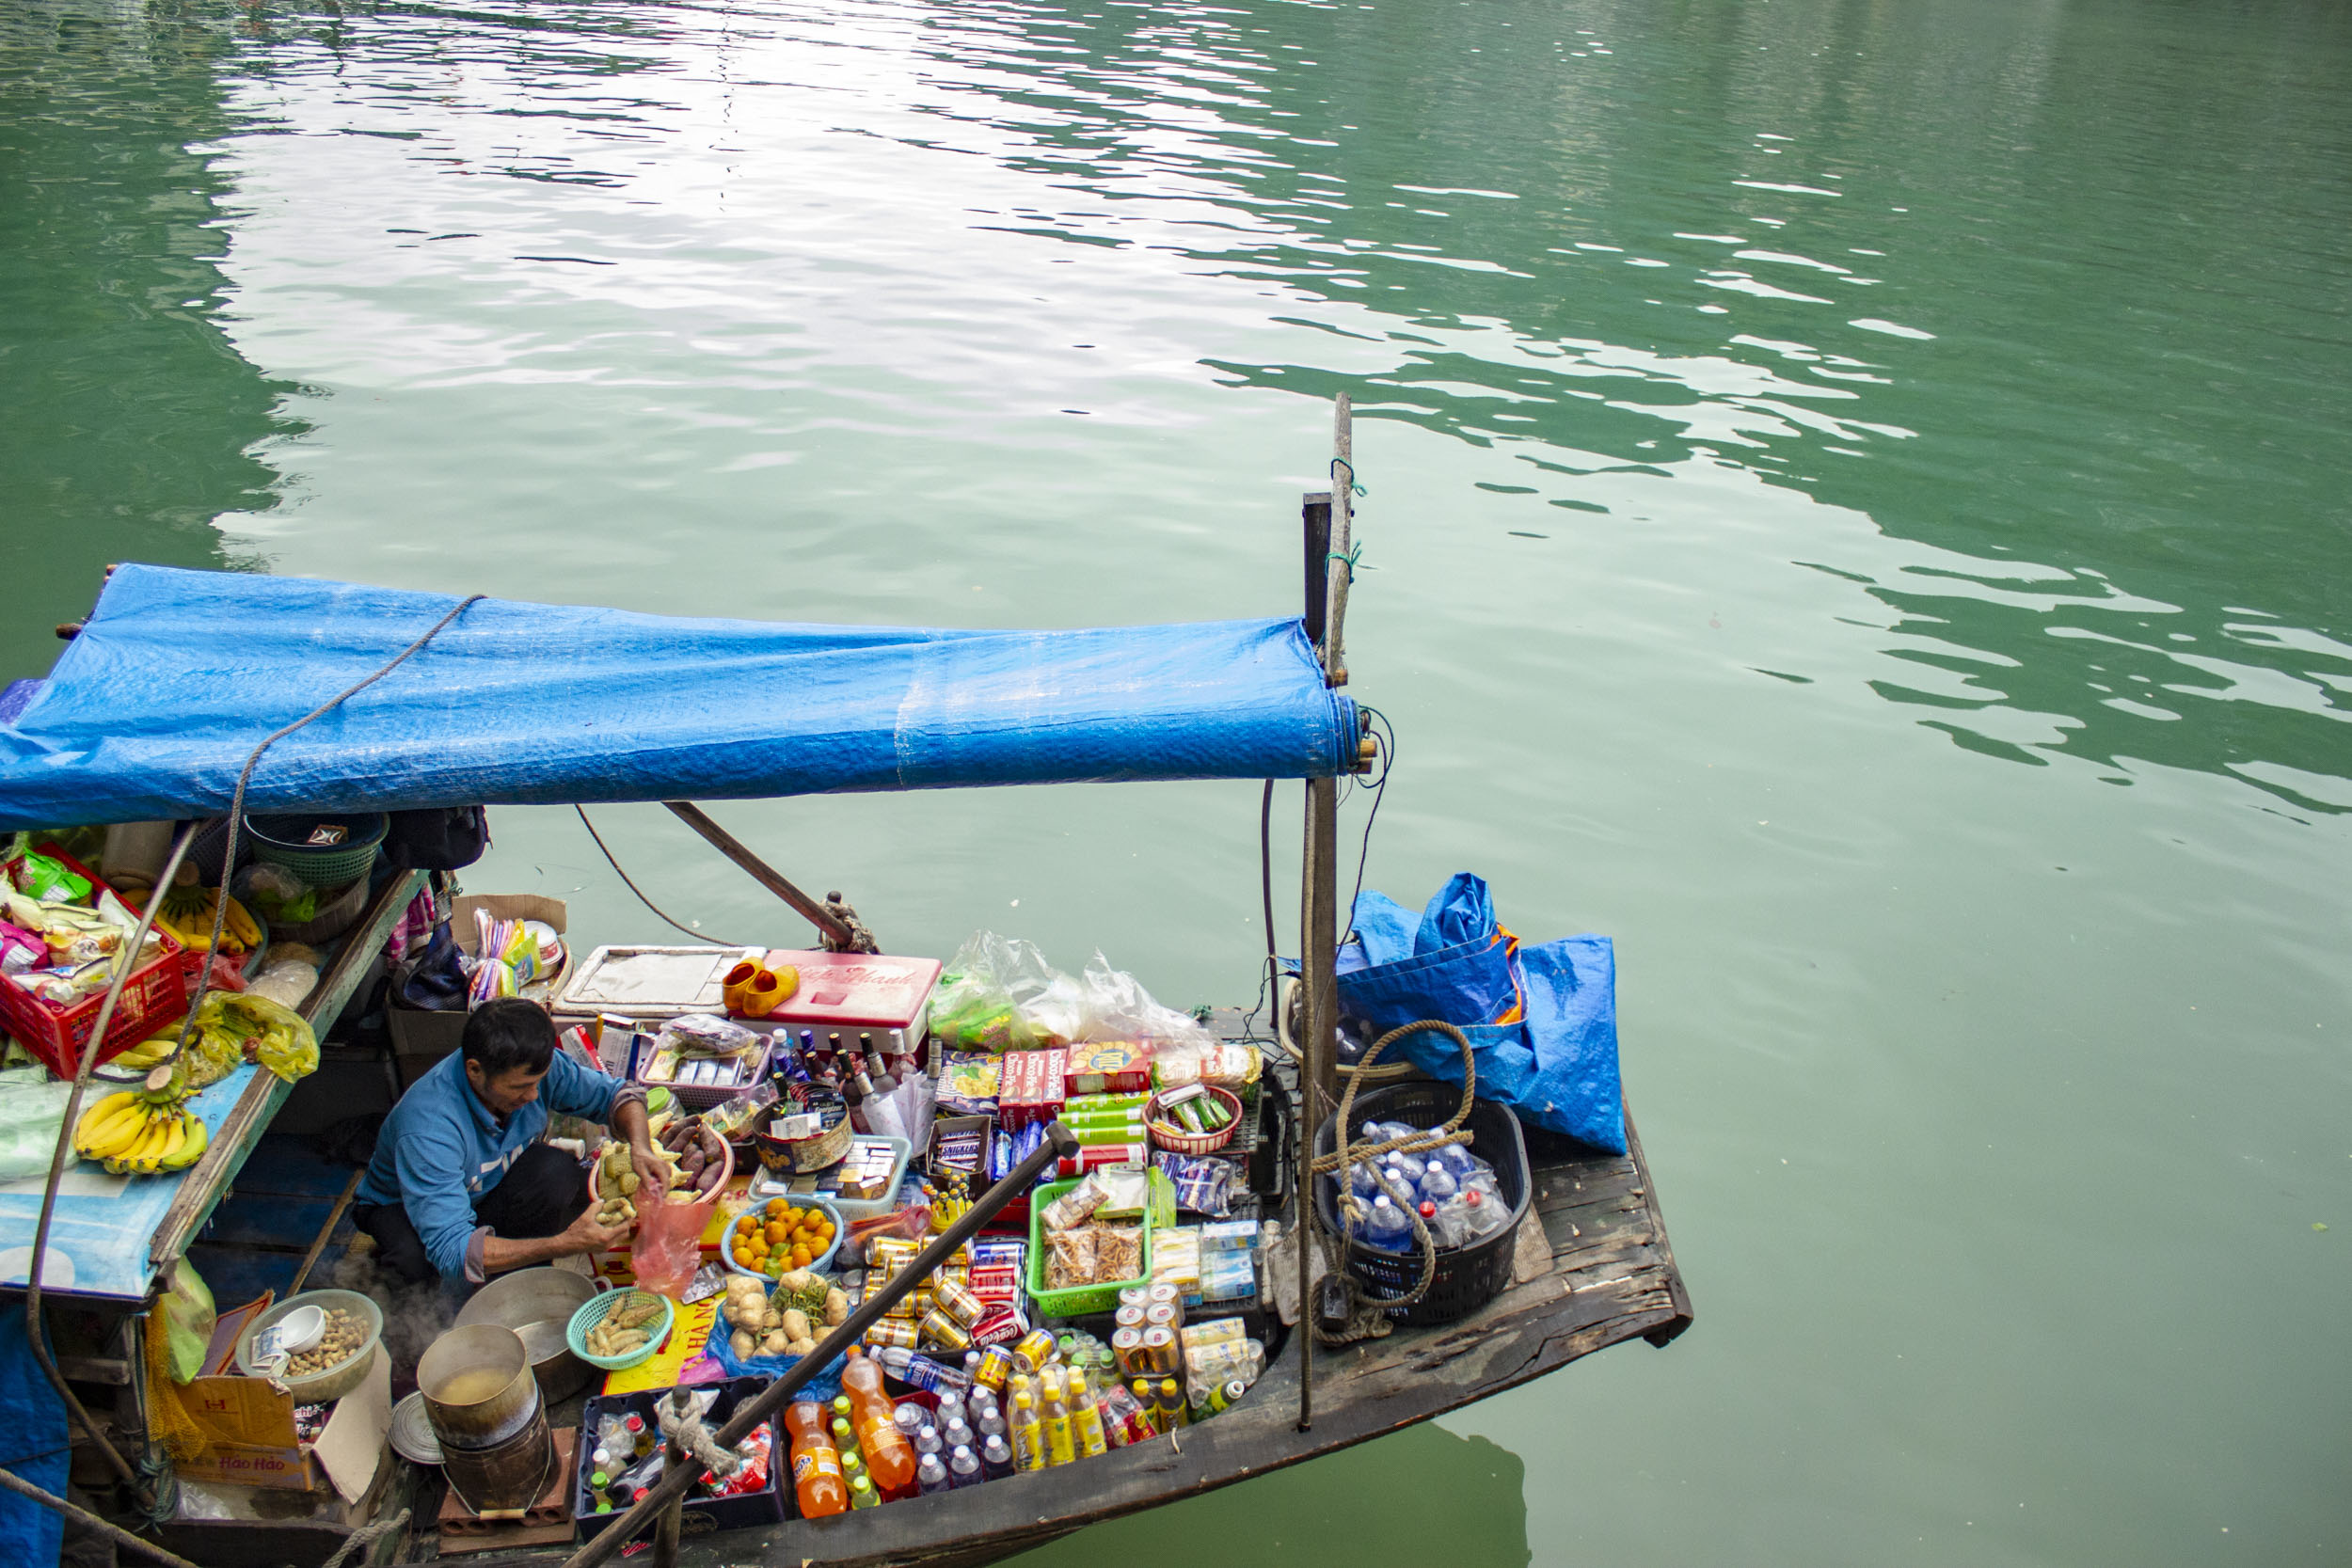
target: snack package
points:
(1203, 1185)
(1071, 1257)
(45, 880)
(1118, 1253)
(1229, 1065)
(1074, 1206)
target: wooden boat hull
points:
(1602, 1271)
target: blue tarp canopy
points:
(177, 675)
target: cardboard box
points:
(252, 1429)
(421, 1038)
(1030, 1087)
(984, 1126)
(1110, 1067)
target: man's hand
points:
(653, 1173)
(586, 1235)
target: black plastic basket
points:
(699, 1515)
(1467, 1276)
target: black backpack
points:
(440, 839)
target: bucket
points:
(483, 1405)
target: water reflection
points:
(1424, 1495)
(127, 421)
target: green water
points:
(1856, 511)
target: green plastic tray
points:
(1079, 1301)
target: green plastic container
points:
(1082, 1300)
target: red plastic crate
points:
(158, 993)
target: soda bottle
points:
(816, 1465)
(931, 1475)
(853, 1465)
(1147, 1401)
(995, 1458)
(889, 1457)
(1061, 1447)
(1086, 1420)
(1029, 1434)
(862, 1493)
(963, 1466)
(844, 1437)
(1169, 1407)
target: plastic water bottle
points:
(1458, 1160)
(963, 1466)
(996, 1457)
(1443, 1221)
(910, 1418)
(931, 1474)
(1383, 1225)
(1437, 1184)
(951, 1412)
(1483, 1215)
(927, 1439)
(921, 1372)
(1359, 1181)
(1412, 1164)
(957, 1435)
(1390, 1130)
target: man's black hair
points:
(508, 1033)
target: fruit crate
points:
(159, 993)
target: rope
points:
(236, 807)
(1347, 558)
(682, 1423)
(365, 1535)
(1344, 1155)
(698, 936)
(1353, 486)
(119, 1536)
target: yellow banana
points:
(241, 925)
(191, 1149)
(150, 1139)
(111, 1127)
(175, 1134)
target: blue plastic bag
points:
(1542, 1021)
(822, 1386)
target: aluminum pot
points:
(477, 1385)
(538, 1305)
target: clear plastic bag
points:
(1115, 1007)
(32, 1111)
(1000, 994)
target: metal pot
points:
(477, 1385)
(538, 1304)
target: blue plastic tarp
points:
(1541, 1019)
(177, 675)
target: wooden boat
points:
(1592, 1267)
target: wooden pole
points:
(1342, 539)
(765, 875)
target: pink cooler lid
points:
(858, 990)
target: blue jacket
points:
(441, 1150)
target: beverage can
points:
(894, 1330)
(1000, 1327)
(1160, 1292)
(958, 1303)
(1127, 1345)
(995, 1367)
(1160, 1314)
(1159, 1351)
(942, 1329)
(1137, 1296)
(1035, 1353)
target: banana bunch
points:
(146, 1054)
(141, 1131)
(186, 915)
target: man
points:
(460, 1185)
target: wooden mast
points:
(1328, 540)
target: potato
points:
(794, 1324)
(743, 1345)
(775, 1344)
(837, 1307)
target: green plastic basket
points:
(592, 1311)
(283, 842)
(1079, 1301)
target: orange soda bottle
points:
(816, 1464)
(889, 1457)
